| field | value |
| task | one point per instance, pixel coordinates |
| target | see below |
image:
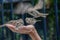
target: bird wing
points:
(39, 5)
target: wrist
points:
(34, 35)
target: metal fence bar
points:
(0, 5)
(56, 16)
(24, 36)
(12, 17)
(44, 21)
(2, 20)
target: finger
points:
(11, 27)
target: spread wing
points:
(39, 5)
(22, 8)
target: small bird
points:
(31, 21)
(16, 23)
(26, 7)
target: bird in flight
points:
(26, 7)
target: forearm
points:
(34, 35)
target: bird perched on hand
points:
(16, 23)
(31, 21)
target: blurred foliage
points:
(51, 24)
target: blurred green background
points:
(51, 23)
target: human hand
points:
(22, 29)
(29, 29)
